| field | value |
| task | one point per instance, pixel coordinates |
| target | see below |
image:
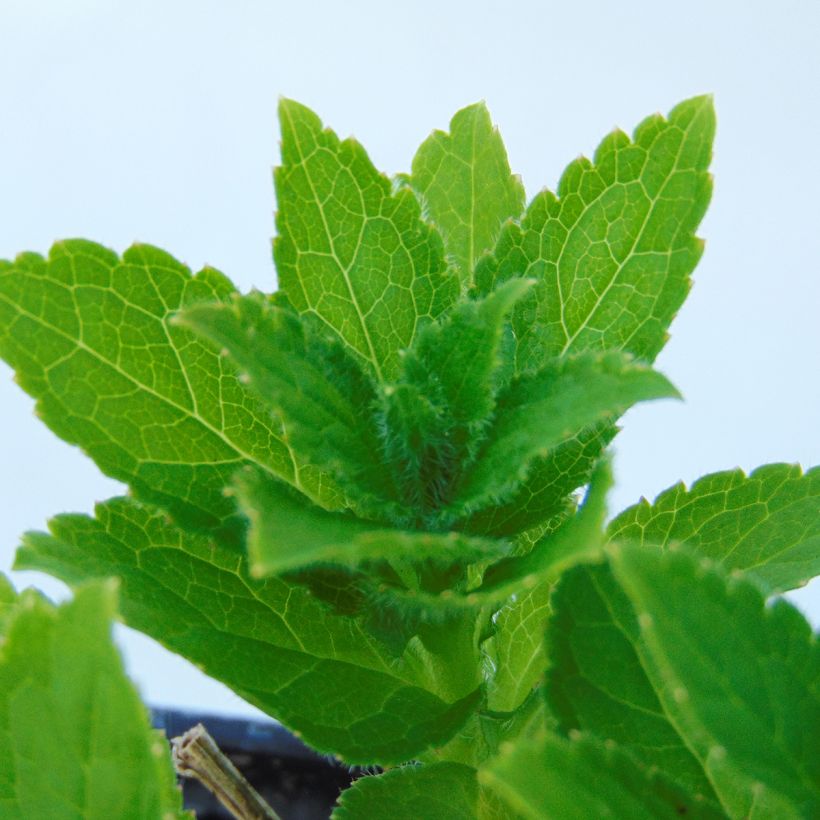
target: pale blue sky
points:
(156, 121)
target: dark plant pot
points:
(297, 783)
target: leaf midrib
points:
(345, 270)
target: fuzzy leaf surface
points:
(89, 336)
(737, 678)
(553, 778)
(319, 391)
(349, 250)
(288, 533)
(324, 675)
(75, 740)
(465, 183)
(541, 411)
(438, 410)
(598, 682)
(766, 524)
(613, 251)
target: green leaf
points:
(544, 499)
(614, 250)
(766, 524)
(318, 390)
(289, 533)
(327, 676)
(738, 679)
(553, 778)
(445, 396)
(349, 250)
(597, 679)
(90, 338)
(412, 792)
(516, 647)
(580, 538)
(75, 741)
(466, 186)
(438, 790)
(7, 600)
(543, 410)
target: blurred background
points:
(155, 121)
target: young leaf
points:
(544, 498)
(766, 524)
(614, 250)
(579, 538)
(437, 790)
(76, 741)
(578, 779)
(350, 251)
(89, 336)
(289, 533)
(318, 390)
(516, 647)
(326, 676)
(543, 410)
(597, 682)
(738, 680)
(435, 415)
(465, 183)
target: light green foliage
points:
(440, 790)
(7, 599)
(309, 381)
(89, 336)
(581, 778)
(736, 678)
(466, 187)
(350, 251)
(612, 252)
(356, 501)
(288, 533)
(767, 523)
(326, 675)
(544, 410)
(75, 741)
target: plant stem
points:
(197, 755)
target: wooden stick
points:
(197, 755)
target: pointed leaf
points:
(738, 679)
(350, 251)
(543, 410)
(319, 391)
(766, 524)
(580, 538)
(325, 675)
(614, 250)
(446, 394)
(288, 533)
(544, 498)
(89, 336)
(466, 186)
(557, 779)
(76, 741)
